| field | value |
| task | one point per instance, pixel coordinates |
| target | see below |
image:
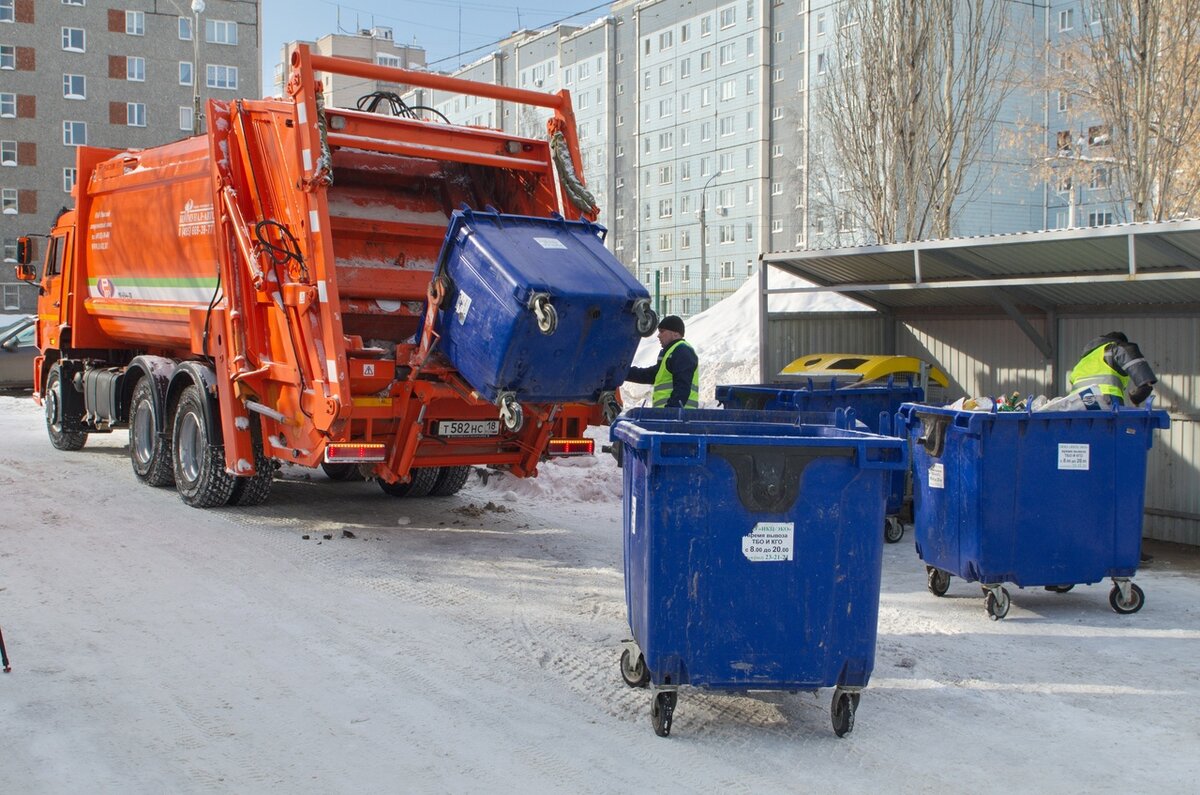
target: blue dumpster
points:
(752, 553)
(875, 404)
(1049, 499)
(537, 309)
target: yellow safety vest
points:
(1093, 371)
(664, 382)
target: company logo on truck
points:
(195, 219)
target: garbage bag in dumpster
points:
(752, 553)
(1048, 499)
(874, 403)
(536, 309)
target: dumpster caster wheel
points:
(511, 414)
(634, 675)
(610, 408)
(1059, 588)
(841, 711)
(662, 709)
(893, 530)
(997, 602)
(544, 311)
(647, 319)
(937, 581)
(1126, 606)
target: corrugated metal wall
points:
(989, 355)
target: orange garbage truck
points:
(381, 294)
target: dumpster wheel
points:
(841, 711)
(997, 601)
(634, 675)
(937, 581)
(511, 414)
(1123, 604)
(893, 529)
(662, 710)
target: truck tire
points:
(200, 475)
(149, 449)
(450, 480)
(62, 440)
(421, 481)
(255, 489)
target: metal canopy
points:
(1149, 264)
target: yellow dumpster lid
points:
(864, 367)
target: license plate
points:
(468, 427)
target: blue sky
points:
(443, 27)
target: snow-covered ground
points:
(470, 644)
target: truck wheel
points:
(255, 489)
(149, 450)
(200, 475)
(450, 480)
(62, 440)
(420, 483)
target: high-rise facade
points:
(109, 73)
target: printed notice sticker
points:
(462, 306)
(937, 476)
(632, 514)
(1074, 456)
(550, 242)
(769, 541)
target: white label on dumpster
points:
(632, 514)
(462, 306)
(937, 476)
(550, 242)
(769, 541)
(1074, 456)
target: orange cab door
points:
(52, 304)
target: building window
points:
(1101, 177)
(1098, 135)
(778, 76)
(685, 241)
(220, 31)
(666, 40)
(666, 208)
(728, 89)
(135, 69)
(73, 40)
(665, 176)
(1066, 19)
(1063, 102)
(135, 23)
(219, 76)
(135, 114)
(7, 13)
(728, 17)
(12, 296)
(8, 153)
(8, 56)
(10, 252)
(186, 73)
(666, 140)
(779, 37)
(821, 63)
(69, 176)
(777, 113)
(726, 166)
(666, 274)
(776, 226)
(1100, 219)
(844, 222)
(185, 29)
(685, 68)
(727, 53)
(8, 201)
(666, 107)
(8, 106)
(705, 26)
(664, 241)
(726, 125)
(777, 150)
(726, 269)
(74, 87)
(185, 119)
(776, 189)
(685, 170)
(74, 133)
(706, 60)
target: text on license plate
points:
(468, 427)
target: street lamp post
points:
(703, 242)
(197, 10)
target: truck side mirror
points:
(26, 271)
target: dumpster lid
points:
(861, 367)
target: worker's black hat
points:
(671, 323)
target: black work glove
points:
(1140, 393)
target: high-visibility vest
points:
(664, 382)
(1093, 371)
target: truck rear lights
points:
(565, 447)
(354, 453)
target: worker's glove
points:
(1140, 393)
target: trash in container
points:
(874, 403)
(752, 561)
(1049, 499)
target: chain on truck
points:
(334, 287)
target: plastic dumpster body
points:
(1048, 499)
(874, 403)
(500, 269)
(752, 556)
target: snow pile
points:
(587, 479)
(725, 335)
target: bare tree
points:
(910, 101)
(1140, 76)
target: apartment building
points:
(110, 73)
(374, 45)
